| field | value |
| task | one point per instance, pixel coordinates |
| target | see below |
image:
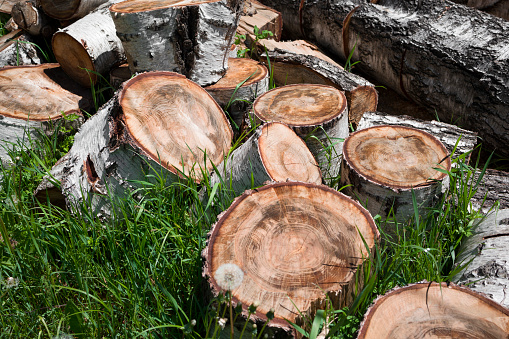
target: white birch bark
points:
(89, 43)
(193, 40)
(19, 51)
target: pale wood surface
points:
(6, 6)
(293, 246)
(261, 16)
(432, 310)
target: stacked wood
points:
(67, 10)
(493, 191)
(29, 16)
(6, 6)
(261, 16)
(34, 100)
(254, 80)
(273, 153)
(454, 138)
(485, 256)
(384, 167)
(433, 310)
(446, 57)
(189, 37)
(161, 124)
(16, 49)
(317, 113)
(297, 244)
(498, 8)
(295, 62)
(88, 47)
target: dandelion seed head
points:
(229, 276)
(11, 282)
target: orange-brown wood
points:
(295, 242)
(175, 121)
(6, 5)
(240, 70)
(432, 310)
(74, 58)
(133, 6)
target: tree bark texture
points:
(67, 10)
(29, 16)
(89, 44)
(296, 67)
(294, 247)
(273, 153)
(486, 257)
(447, 57)
(493, 191)
(498, 8)
(317, 113)
(16, 50)
(48, 96)
(385, 166)
(236, 101)
(190, 37)
(450, 135)
(433, 310)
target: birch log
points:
(33, 100)
(273, 153)
(89, 44)
(386, 165)
(29, 16)
(67, 10)
(317, 113)
(486, 257)
(446, 57)
(498, 8)
(450, 135)
(433, 310)
(16, 50)
(293, 66)
(190, 37)
(254, 78)
(296, 243)
(161, 124)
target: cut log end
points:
(134, 6)
(425, 310)
(360, 100)
(286, 156)
(175, 122)
(292, 245)
(74, 58)
(240, 70)
(300, 105)
(396, 157)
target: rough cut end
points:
(74, 58)
(42, 97)
(432, 310)
(396, 156)
(286, 156)
(288, 74)
(133, 6)
(293, 241)
(175, 120)
(239, 70)
(300, 105)
(60, 9)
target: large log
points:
(89, 46)
(29, 16)
(317, 113)
(433, 310)
(486, 256)
(67, 10)
(16, 49)
(386, 167)
(161, 124)
(34, 100)
(297, 244)
(498, 8)
(493, 191)
(447, 57)
(191, 37)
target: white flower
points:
(11, 282)
(229, 276)
(63, 336)
(222, 322)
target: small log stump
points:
(385, 165)
(160, 122)
(317, 113)
(89, 44)
(33, 99)
(486, 253)
(190, 37)
(273, 153)
(232, 99)
(432, 310)
(296, 243)
(67, 10)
